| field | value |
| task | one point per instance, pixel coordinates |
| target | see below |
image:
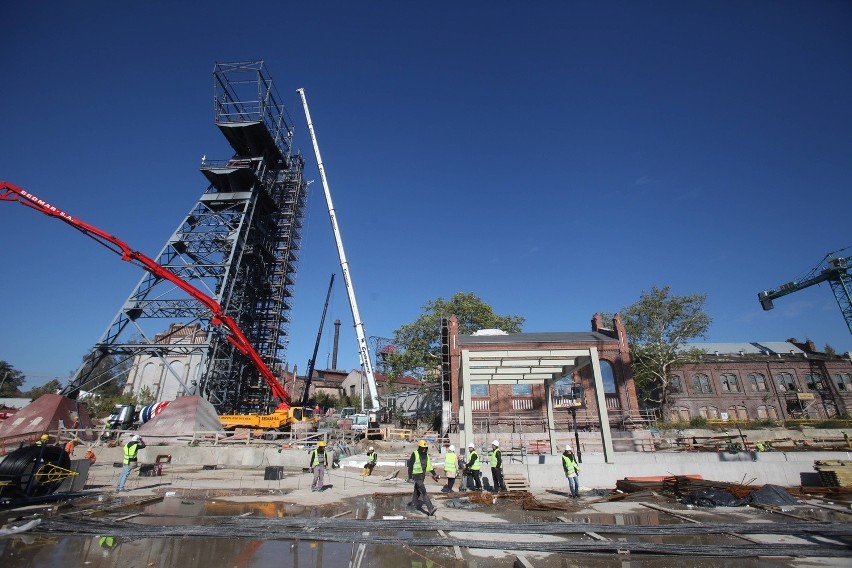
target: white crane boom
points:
(363, 351)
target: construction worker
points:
(418, 464)
(450, 468)
(90, 455)
(43, 440)
(495, 459)
(473, 467)
(131, 450)
(69, 447)
(572, 470)
(372, 458)
(319, 461)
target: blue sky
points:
(555, 158)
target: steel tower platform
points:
(239, 244)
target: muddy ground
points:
(191, 516)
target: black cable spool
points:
(17, 469)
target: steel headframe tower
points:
(239, 243)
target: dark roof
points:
(538, 337)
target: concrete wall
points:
(778, 468)
(544, 471)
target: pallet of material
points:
(834, 473)
(516, 482)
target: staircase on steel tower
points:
(239, 244)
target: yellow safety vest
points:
(315, 459)
(476, 465)
(450, 462)
(130, 450)
(492, 457)
(569, 465)
(418, 467)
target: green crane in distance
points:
(834, 269)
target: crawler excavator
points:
(284, 417)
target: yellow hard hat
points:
(45, 437)
(321, 445)
(421, 444)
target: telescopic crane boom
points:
(235, 337)
(313, 362)
(833, 269)
(363, 351)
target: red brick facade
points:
(798, 383)
(505, 403)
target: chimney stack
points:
(336, 340)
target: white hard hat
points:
(134, 438)
(452, 448)
(470, 445)
(371, 449)
(496, 443)
(569, 449)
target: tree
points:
(658, 326)
(419, 343)
(11, 380)
(50, 387)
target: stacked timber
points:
(834, 473)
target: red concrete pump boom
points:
(236, 337)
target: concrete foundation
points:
(544, 471)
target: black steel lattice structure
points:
(239, 244)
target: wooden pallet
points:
(516, 482)
(834, 473)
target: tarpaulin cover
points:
(714, 497)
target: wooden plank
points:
(456, 550)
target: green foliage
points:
(12, 381)
(698, 422)
(829, 350)
(658, 326)
(108, 376)
(326, 400)
(50, 387)
(419, 342)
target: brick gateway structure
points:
(531, 375)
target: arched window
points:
(701, 384)
(608, 377)
(675, 384)
(757, 382)
(709, 412)
(680, 414)
(729, 383)
(736, 412)
(786, 382)
(767, 412)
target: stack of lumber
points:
(516, 482)
(834, 473)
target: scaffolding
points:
(239, 244)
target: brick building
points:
(761, 380)
(497, 380)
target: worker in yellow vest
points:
(572, 470)
(418, 465)
(372, 458)
(319, 461)
(450, 467)
(473, 466)
(495, 459)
